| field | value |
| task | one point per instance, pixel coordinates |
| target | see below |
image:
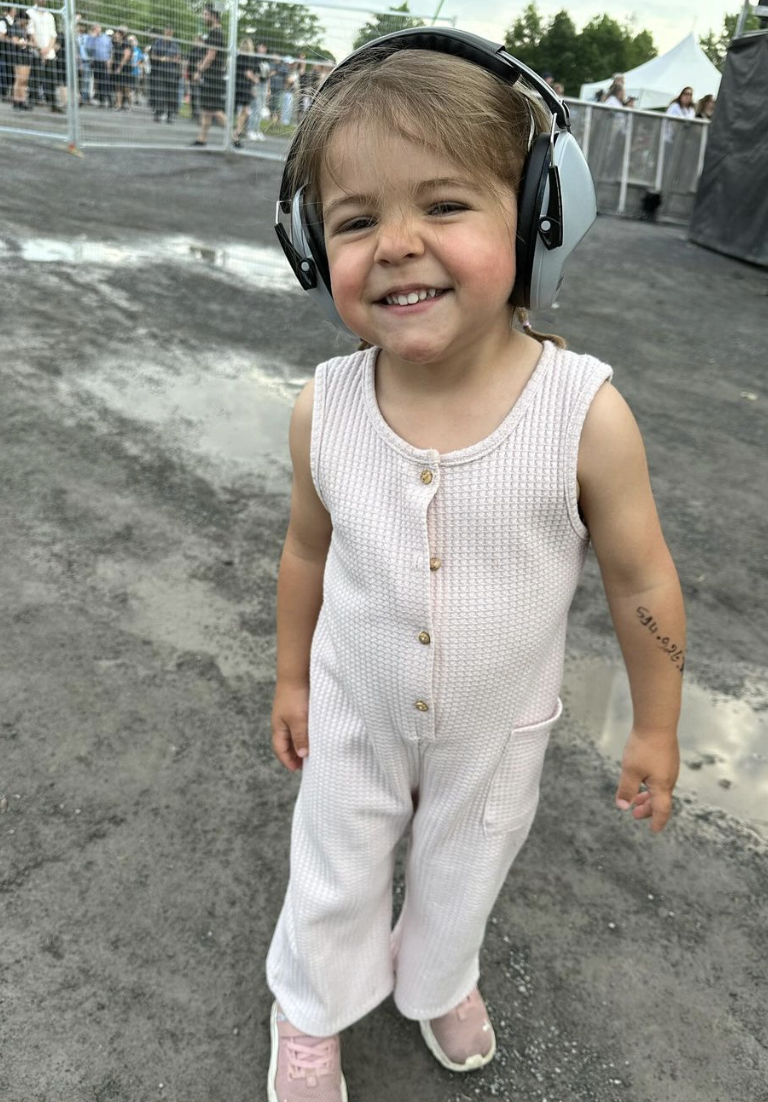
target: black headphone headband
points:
(444, 40)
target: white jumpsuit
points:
(435, 670)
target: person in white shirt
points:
(42, 33)
(615, 95)
(682, 107)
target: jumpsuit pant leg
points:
(477, 801)
(330, 960)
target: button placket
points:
(428, 475)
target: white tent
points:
(662, 79)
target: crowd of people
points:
(117, 71)
(114, 70)
(682, 106)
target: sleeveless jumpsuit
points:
(435, 670)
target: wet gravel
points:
(144, 824)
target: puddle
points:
(261, 266)
(723, 742)
(231, 409)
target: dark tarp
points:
(730, 214)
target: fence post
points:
(234, 12)
(660, 159)
(587, 132)
(73, 81)
(625, 164)
(702, 151)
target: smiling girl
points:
(447, 480)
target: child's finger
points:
(662, 809)
(300, 737)
(627, 792)
(282, 745)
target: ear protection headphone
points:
(555, 201)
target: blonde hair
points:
(487, 128)
(246, 46)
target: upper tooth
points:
(411, 298)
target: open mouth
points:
(412, 298)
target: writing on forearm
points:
(676, 653)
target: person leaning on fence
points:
(60, 70)
(705, 108)
(246, 79)
(43, 39)
(260, 95)
(122, 69)
(166, 66)
(99, 47)
(196, 54)
(210, 72)
(22, 61)
(615, 95)
(7, 52)
(682, 106)
(84, 70)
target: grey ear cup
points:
(577, 207)
(556, 199)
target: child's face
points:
(400, 220)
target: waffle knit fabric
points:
(435, 671)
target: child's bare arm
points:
(644, 597)
(299, 593)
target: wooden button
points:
(435, 563)
(424, 637)
(422, 707)
(426, 477)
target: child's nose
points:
(398, 240)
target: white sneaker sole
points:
(272, 1075)
(472, 1064)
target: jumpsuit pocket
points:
(513, 793)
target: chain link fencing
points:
(172, 74)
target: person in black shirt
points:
(122, 64)
(210, 72)
(166, 65)
(246, 79)
(196, 54)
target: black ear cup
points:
(530, 199)
(312, 223)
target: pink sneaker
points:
(463, 1039)
(303, 1068)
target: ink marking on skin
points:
(676, 654)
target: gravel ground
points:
(151, 348)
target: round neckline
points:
(460, 455)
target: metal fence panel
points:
(126, 75)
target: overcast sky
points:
(668, 21)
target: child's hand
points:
(290, 712)
(651, 758)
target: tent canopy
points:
(658, 81)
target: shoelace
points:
(307, 1060)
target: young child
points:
(447, 480)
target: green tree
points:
(524, 36)
(288, 29)
(559, 50)
(715, 46)
(601, 48)
(396, 19)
